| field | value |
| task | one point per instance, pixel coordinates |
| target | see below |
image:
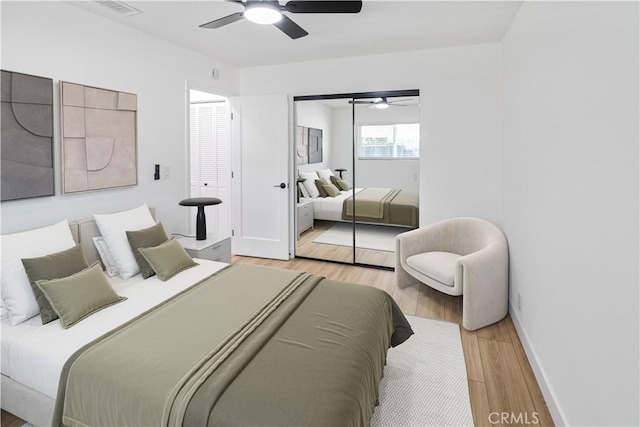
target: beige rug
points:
(368, 236)
(425, 380)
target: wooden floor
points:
(499, 374)
(307, 248)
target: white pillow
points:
(113, 228)
(110, 266)
(310, 183)
(325, 175)
(16, 290)
(303, 190)
(3, 309)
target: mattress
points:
(34, 354)
(330, 208)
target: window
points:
(389, 141)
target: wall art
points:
(99, 138)
(308, 145)
(27, 137)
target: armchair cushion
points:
(439, 266)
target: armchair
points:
(459, 256)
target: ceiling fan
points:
(270, 12)
(379, 103)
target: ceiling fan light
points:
(263, 14)
(381, 105)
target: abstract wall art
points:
(99, 138)
(27, 137)
(308, 145)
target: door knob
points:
(281, 185)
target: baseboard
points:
(556, 411)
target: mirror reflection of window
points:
(392, 141)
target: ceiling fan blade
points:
(223, 21)
(290, 28)
(361, 102)
(321, 6)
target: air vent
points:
(119, 7)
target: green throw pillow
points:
(340, 183)
(52, 266)
(320, 186)
(147, 238)
(168, 259)
(331, 190)
(79, 295)
(344, 185)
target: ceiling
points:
(381, 27)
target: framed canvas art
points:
(27, 136)
(99, 138)
(308, 145)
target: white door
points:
(260, 135)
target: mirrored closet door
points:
(356, 163)
(387, 152)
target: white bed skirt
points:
(26, 403)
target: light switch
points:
(166, 172)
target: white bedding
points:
(34, 354)
(330, 208)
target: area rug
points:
(425, 380)
(377, 237)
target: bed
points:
(249, 345)
(384, 206)
(334, 200)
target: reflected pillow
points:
(168, 259)
(320, 186)
(325, 175)
(331, 190)
(340, 183)
(146, 238)
(303, 190)
(310, 183)
(53, 266)
(78, 296)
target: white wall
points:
(395, 173)
(571, 202)
(460, 164)
(63, 42)
(316, 115)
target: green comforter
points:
(383, 206)
(248, 345)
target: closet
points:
(370, 153)
(210, 157)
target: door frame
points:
(202, 87)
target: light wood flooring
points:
(307, 248)
(499, 374)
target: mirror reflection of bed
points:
(385, 172)
(381, 214)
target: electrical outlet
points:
(166, 172)
(519, 302)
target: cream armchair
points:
(459, 256)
